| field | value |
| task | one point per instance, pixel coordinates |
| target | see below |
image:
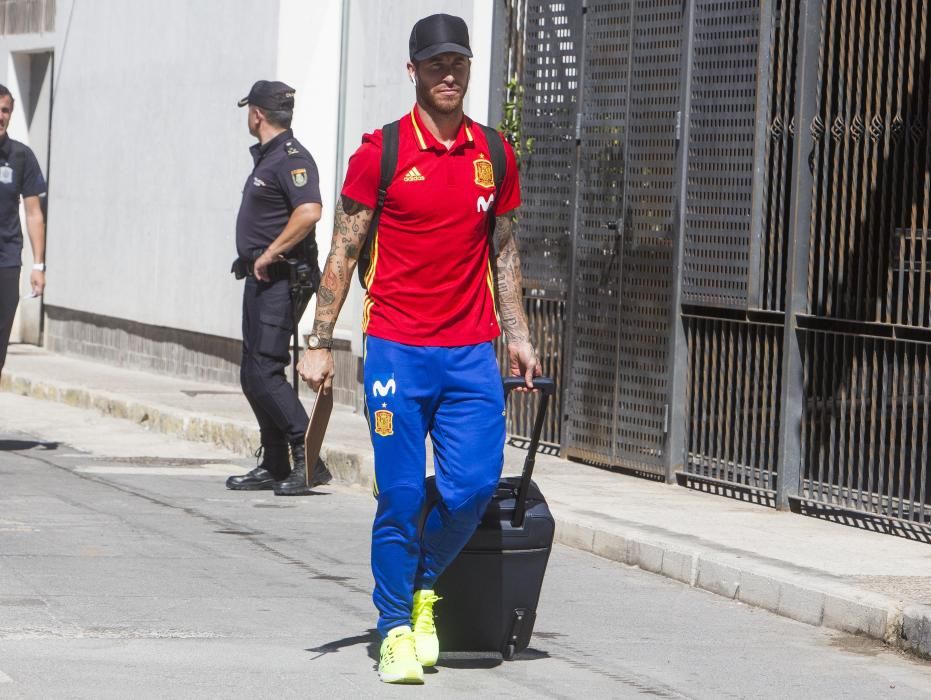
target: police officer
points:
(275, 232)
(20, 176)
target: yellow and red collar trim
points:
(426, 140)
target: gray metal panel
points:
(598, 253)
(552, 59)
(721, 139)
(624, 245)
(647, 273)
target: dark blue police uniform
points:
(285, 176)
(20, 176)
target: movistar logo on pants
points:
(379, 389)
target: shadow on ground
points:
(370, 637)
(458, 660)
(24, 445)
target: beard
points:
(443, 104)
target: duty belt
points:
(276, 272)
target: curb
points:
(236, 436)
(815, 599)
(809, 597)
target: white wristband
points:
(39, 266)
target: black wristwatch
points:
(315, 342)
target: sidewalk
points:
(817, 572)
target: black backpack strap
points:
(499, 166)
(389, 163)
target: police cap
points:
(270, 94)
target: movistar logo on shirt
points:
(413, 175)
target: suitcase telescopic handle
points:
(543, 384)
(547, 387)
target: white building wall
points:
(149, 153)
(309, 61)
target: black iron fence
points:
(725, 235)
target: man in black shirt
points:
(20, 176)
(280, 207)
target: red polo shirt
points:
(430, 280)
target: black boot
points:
(296, 484)
(274, 467)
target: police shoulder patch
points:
(299, 177)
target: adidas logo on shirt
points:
(413, 175)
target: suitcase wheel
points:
(510, 651)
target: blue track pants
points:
(454, 395)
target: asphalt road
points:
(128, 571)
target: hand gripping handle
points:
(544, 384)
(547, 388)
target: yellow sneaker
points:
(425, 639)
(398, 663)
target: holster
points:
(303, 278)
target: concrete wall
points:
(149, 153)
(309, 60)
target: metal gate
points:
(551, 64)
(866, 331)
(733, 275)
(603, 87)
(727, 208)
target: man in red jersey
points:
(429, 316)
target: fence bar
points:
(764, 93)
(807, 107)
(682, 397)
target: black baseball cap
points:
(270, 94)
(438, 34)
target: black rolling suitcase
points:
(490, 591)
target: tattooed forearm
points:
(350, 225)
(510, 283)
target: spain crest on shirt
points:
(384, 423)
(484, 173)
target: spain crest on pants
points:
(384, 423)
(299, 177)
(484, 173)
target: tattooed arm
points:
(522, 359)
(350, 226)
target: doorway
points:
(30, 82)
